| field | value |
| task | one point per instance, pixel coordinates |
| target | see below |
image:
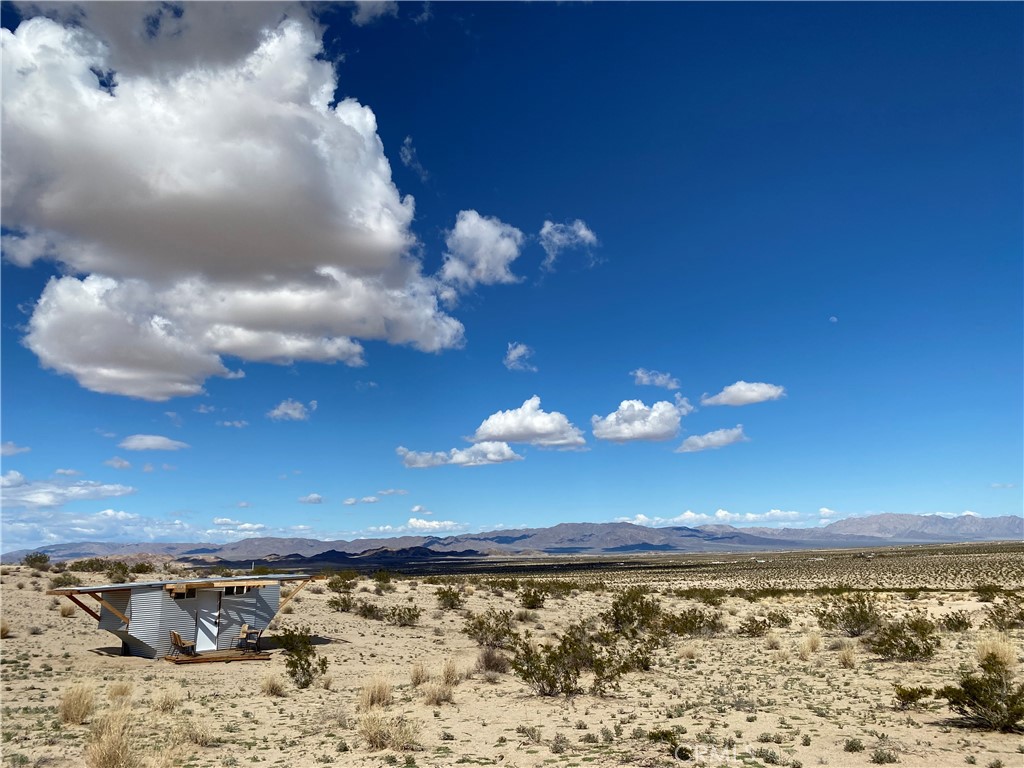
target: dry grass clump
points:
(120, 693)
(689, 651)
(166, 702)
(809, 645)
(5, 629)
(418, 675)
(77, 704)
(273, 685)
(382, 732)
(772, 642)
(1000, 648)
(112, 743)
(492, 660)
(376, 692)
(847, 656)
(450, 674)
(67, 610)
(436, 694)
(191, 732)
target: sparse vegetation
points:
(989, 698)
(77, 704)
(853, 615)
(909, 639)
(448, 598)
(301, 659)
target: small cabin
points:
(209, 612)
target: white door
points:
(207, 615)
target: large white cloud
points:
(480, 250)
(19, 491)
(475, 456)
(745, 393)
(529, 423)
(717, 439)
(555, 238)
(241, 213)
(419, 525)
(633, 420)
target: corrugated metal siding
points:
(110, 620)
(147, 615)
(179, 615)
(267, 600)
(235, 610)
(135, 646)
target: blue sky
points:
(430, 260)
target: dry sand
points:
(734, 696)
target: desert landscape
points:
(706, 660)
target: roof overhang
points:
(181, 585)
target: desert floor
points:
(741, 700)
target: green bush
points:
(911, 696)
(884, 756)
(853, 745)
(341, 602)
(38, 560)
(118, 572)
(779, 618)
(301, 659)
(342, 582)
(531, 598)
(448, 598)
(65, 580)
(1006, 615)
(987, 593)
(553, 670)
(853, 615)
(632, 613)
(404, 615)
(367, 610)
(492, 629)
(143, 567)
(693, 621)
(910, 639)
(989, 699)
(956, 621)
(706, 595)
(752, 626)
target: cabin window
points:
(188, 594)
(236, 590)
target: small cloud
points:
(226, 521)
(686, 518)
(204, 408)
(425, 15)
(393, 492)
(239, 424)
(529, 423)
(833, 319)
(745, 393)
(151, 443)
(644, 377)
(410, 160)
(633, 420)
(174, 417)
(475, 456)
(368, 11)
(147, 467)
(1004, 486)
(365, 386)
(717, 439)
(118, 463)
(351, 501)
(555, 238)
(291, 410)
(67, 472)
(312, 498)
(826, 512)
(517, 357)
(419, 525)
(419, 509)
(369, 500)
(480, 251)
(168, 467)
(243, 505)
(10, 448)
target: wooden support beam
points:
(83, 606)
(110, 608)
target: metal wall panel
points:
(266, 602)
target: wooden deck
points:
(207, 657)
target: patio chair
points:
(180, 645)
(249, 638)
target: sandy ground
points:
(736, 694)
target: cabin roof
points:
(209, 582)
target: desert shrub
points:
(693, 621)
(342, 582)
(166, 702)
(990, 698)
(343, 603)
(382, 577)
(770, 756)
(143, 567)
(633, 613)
(778, 618)
(556, 669)
(492, 660)
(67, 610)
(301, 659)
(5, 629)
(435, 694)
(1006, 615)
(112, 743)
(523, 615)
(418, 674)
(191, 732)
(706, 595)
(368, 610)
(38, 560)
(404, 615)
(987, 593)
(272, 685)
(752, 626)
(910, 696)
(120, 692)
(853, 615)
(853, 745)
(492, 629)
(448, 598)
(909, 639)
(77, 703)
(882, 756)
(531, 598)
(450, 673)
(376, 692)
(956, 621)
(91, 565)
(847, 657)
(382, 732)
(65, 580)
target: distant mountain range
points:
(565, 539)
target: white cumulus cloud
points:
(529, 423)
(717, 439)
(555, 238)
(367, 11)
(475, 456)
(118, 463)
(242, 212)
(480, 251)
(517, 357)
(151, 443)
(633, 420)
(745, 393)
(312, 498)
(291, 410)
(20, 492)
(642, 376)
(11, 448)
